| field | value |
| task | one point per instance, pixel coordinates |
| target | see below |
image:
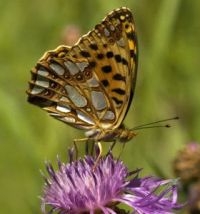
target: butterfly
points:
(90, 85)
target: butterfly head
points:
(125, 134)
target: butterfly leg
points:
(98, 150)
(94, 149)
(90, 147)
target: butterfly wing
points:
(111, 50)
(89, 85)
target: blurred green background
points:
(168, 84)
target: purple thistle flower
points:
(77, 187)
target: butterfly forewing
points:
(90, 84)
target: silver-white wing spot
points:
(68, 119)
(43, 72)
(63, 108)
(71, 67)
(75, 97)
(57, 68)
(121, 42)
(36, 90)
(92, 82)
(91, 132)
(84, 117)
(82, 65)
(42, 83)
(98, 100)
(109, 115)
(64, 99)
(106, 32)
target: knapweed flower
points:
(80, 188)
(186, 166)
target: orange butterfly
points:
(90, 85)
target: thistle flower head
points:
(186, 164)
(77, 187)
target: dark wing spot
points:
(117, 101)
(132, 53)
(124, 61)
(119, 77)
(105, 83)
(130, 36)
(93, 46)
(106, 69)
(100, 56)
(118, 58)
(92, 64)
(126, 26)
(109, 54)
(85, 54)
(119, 91)
(105, 45)
(40, 101)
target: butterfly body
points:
(91, 84)
(120, 134)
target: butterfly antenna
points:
(152, 124)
